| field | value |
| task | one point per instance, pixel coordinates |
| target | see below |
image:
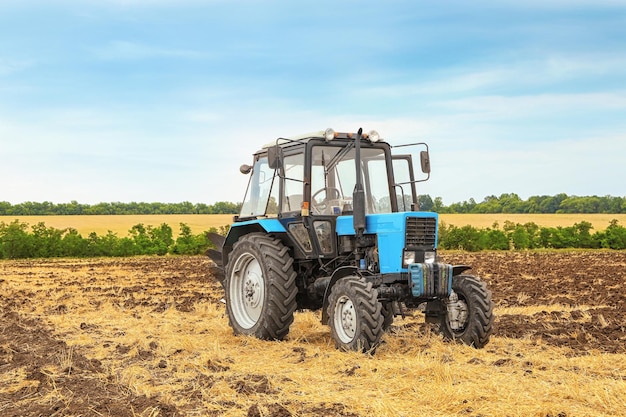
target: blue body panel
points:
(269, 225)
(239, 229)
(390, 230)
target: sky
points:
(163, 100)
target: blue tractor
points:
(330, 221)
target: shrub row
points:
(531, 236)
(17, 241)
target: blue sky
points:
(162, 100)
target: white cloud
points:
(512, 78)
(126, 50)
(11, 66)
(502, 107)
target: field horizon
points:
(121, 224)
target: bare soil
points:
(572, 300)
(584, 291)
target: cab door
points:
(404, 182)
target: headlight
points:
(408, 258)
(429, 257)
(374, 136)
(329, 134)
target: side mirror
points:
(245, 169)
(274, 157)
(425, 162)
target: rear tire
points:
(260, 287)
(355, 315)
(388, 314)
(476, 319)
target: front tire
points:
(355, 315)
(260, 287)
(470, 319)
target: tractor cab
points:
(307, 182)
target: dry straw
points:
(173, 343)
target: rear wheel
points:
(260, 287)
(355, 315)
(468, 314)
(388, 314)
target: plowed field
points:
(147, 336)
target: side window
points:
(403, 177)
(261, 196)
(293, 183)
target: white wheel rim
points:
(345, 319)
(247, 291)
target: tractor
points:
(331, 221)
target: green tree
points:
(425, 203)
(495, 239)
(614, 237)
(15, 242)
(161, 239)
(73, 244)
(438, 205)
(45, 241)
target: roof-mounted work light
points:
(329, 134)
(373, 136)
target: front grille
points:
(421, 232)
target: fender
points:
(459, 269)
(337, 275)
(239, 229)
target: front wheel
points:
(260, 287)
(355, 315)
(468, 312)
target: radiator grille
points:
(421, 232)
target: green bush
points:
(614, 237)
(16, 241)
(530, 236)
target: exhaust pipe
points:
(358, 195)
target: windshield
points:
(333, 177)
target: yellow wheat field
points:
(599, 221)
(121, 224)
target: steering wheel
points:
(323, 205)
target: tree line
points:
(505, 203)
(46, 208)
(512, 203)
(18, 240)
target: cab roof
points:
(320, 134)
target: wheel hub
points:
(251, 292)
(347, 319)
(458, 312)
